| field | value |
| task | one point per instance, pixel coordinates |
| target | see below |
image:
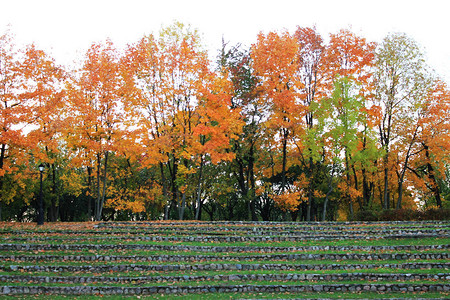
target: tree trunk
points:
(400, 191)
(310, 189)
(53, 206)
(330, 190)
(104, 184)
(173, 174)
(164, 190)
(355, 179)
(89, 212)
(97, 200)
(347, 169)
(385, 141)
(388, 199)
(252, 191)
(366, 189)
(386, 190)
(324, 212)
(283, 170)
(199, 190)
(101, 195)
(182, 207)
(351, 208)
(2, 159)
(405, 167)
(434, 184)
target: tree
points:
(313, 76)
(185, 108)
(344, 115)
(94, 125)
(248, 147)
(44, 91)
(431, 158)
(145, 107)
(401, 81)
(276, 65)
(171, 70)
(15, 117)
(289, 128)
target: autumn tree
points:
(344, 115)
(401, 82)
(312, 74)
(95, 116)
(15, 117)
(170, 71)
(183, 109)
(143, 62)
(349, 64)
(409, 128)
(43, 91)
(292, 127)
(248, 148)
(430, 157)
(276, 65)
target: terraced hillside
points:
(214, 260)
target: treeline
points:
(292, 128)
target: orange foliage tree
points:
(16, 116)
(432, 150)
(94, 116)
(183, 111)
(44, 93)
(276, 64)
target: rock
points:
(234, 277)
(6, 290)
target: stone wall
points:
(99, 290)
(35, 247)
(232, 277)
(263, 257)
(221, 266)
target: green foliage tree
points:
(401, 82)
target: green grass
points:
(130, 253)
(369, 242)
(380, 270)
(221, 283)
(362, 295)
(216, 230)
(231, 262)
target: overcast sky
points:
(66, 28)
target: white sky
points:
(66, 28)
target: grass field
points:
(225, 260)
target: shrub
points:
(366, 215)
(399, 215)
(403, 215)
(436, 214)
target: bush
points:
(436, 214)
(400, 215)
(366, 215)
(403, 215)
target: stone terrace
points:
(240, 259)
